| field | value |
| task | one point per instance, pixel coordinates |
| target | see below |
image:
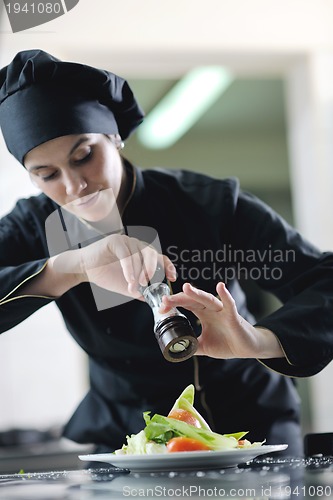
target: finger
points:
(138, 261)
(157, 266)
(148, 261)
(123, 253)
(170, 270)
(225, 296)
(207, 300)
(143, 260)
(160, 266)
(191, 304)
(181, 300)
(148, 266)
(128, 273)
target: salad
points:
(184, 429)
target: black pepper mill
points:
(173, 331)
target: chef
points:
(66, 123)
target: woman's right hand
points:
(118, 263)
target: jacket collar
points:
(136, 191)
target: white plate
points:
(185, 460)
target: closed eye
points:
(85, 158)
(49, 177)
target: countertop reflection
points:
(270, 478)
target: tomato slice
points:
(185, 444)
(185, 416)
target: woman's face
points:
(82, 173)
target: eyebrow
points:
(73, 148)
(77, 144)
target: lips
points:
(86, 201)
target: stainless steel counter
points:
(272, 478)
(46, 456)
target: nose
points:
(74, 183)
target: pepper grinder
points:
(173, 331)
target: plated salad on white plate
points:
(184, 429)
(182, 441)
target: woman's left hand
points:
(225, 334)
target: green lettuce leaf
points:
(161, 429)
(186, 401)
(136, 444)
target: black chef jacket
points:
(208, 227)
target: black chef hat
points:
(42, 98)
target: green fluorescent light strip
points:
(187, 101)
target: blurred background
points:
(269, 122)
